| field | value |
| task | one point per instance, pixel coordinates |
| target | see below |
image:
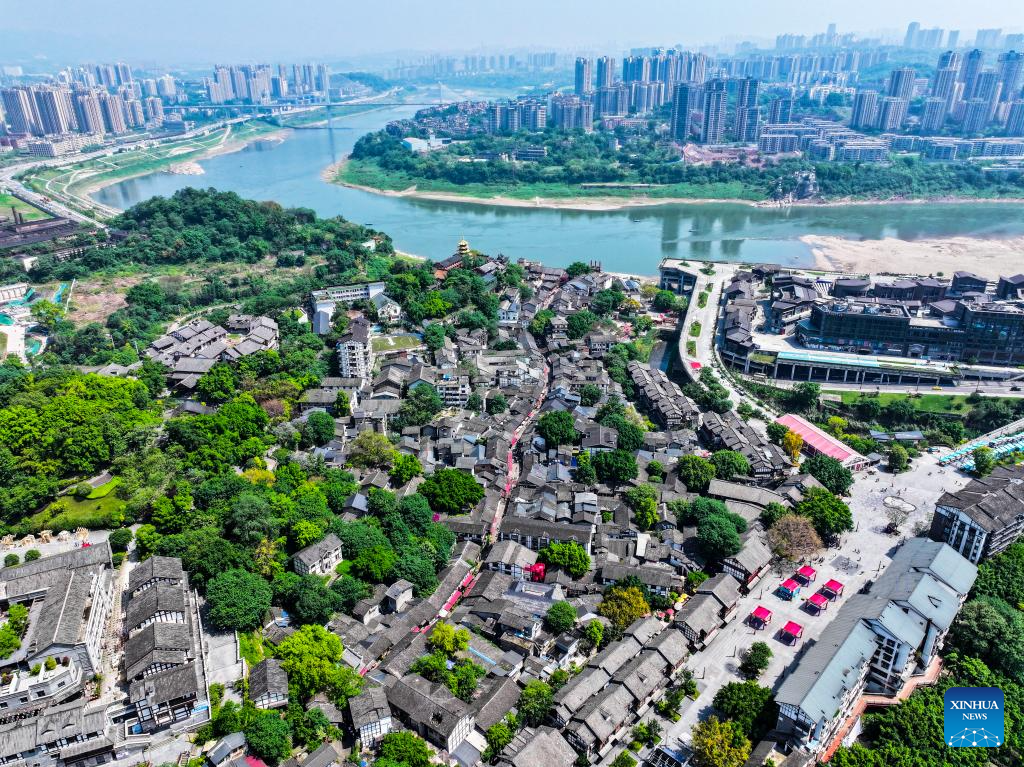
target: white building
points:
(355, 352)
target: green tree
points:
(403, 468)
(717, 537)
(318, 429)
(269, 737)
(898, 458)
(557, 428)
(535, 703)
(984, 462)
(218, 384)
(991, 630)
(375, 564)
(835, 477)
(475, 402)
(433, 336)
(448, 639)
(643, 500)
(404, 749)
(584, 472)
(342, 405)
(580, 323)
(719, 744)
(570, 556)
(119, 539)
(729, 464)
(776, 431)
(420, 404)
(451, 491)
(11, 560)
(238, 600)
(615, 466)
(623, 605)
(497, 404)
(560, 617)
(590, 395)
(312, 659)
(755, 659)
(829, 515)
(695, 472)
(805, 395)
(594, 633)
(577, 269)
(748, 705)
(371, 449)
(693, 580)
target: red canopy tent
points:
(807, 572)
(819, 601)
(761, 615)
(794, 629)
(833, 586)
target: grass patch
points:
(343, 567)
(926, 403)
(104, 490)
(691, 348)
(695, 329)
(30, 212)
(702, 300)
(391, 343)
(69, 513)
(250, 646)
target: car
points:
(1015, 388)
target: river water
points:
(632, 240)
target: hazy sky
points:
(200, 31)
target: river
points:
(631, 240)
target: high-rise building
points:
(944, 84)
(605, 72)
(645, 96)
(976, 116)
(20, 111)
(685, 101)
(950, 59)
(154, 110)
(56, 113)
(892, 111)
(988, 88)
(572, 113)
(901, 83)
(954, 38)
(713, 122)
(911, 38)
(973, 64)
(1015, 121)
(135, 115)
(166, 88)
(636, 69)
(780, 110)
(988, 38)
(933, 116)
(112, 107)
(584, 76)
(1010, 68)
(611, 101)
(746, 103)
(87, 110)
(865, 109)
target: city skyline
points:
(105, 28)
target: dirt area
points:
(95, 301)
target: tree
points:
(615, 466)
(623, 605)
(793, 537)
(238, 600)
(643, 500)
(404, 749)
(218, 384)
(655, 471)
(318, 429)
(374, 564)
(371, 449)
(772, 513)
(717, 537)
(496, 404)
(829, 515)
(829, 472)
(312, 659)
(475, 402)
(748, 705)
(630, 436)
(451, 491)
(577, 269)
(719, 744)
(584, 472)
(342, 405)
(311, 728)
(403, 468)
(448, 639)
(805, 395)
(990, 629)
(12, 560)
(665, 301)
(755, 659)
(590, 395)
(312, 601)
(560, 617)
(580, 323)
(433, 336)
(792, 443)
(983, 461)
(899, 459)
(776, 431)
(421, 403)
(729, 463)
(557, 428)
(269, 737)
(498, 736)
(594, 633)
(693, 580)
(119, 540)
(695, 472)
(348, 591)
(570, 556)
(535, 703)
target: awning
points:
(790, 585)
(793, 629)
(762, 614)
(834, 586)
(807, 572)
(818, 600)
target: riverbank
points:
(986, 256)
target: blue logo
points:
(973, 717)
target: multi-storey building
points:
(713, 123)
(983, 518)
(685, 101)
(747, 114)
(355, 352)
(584, 76)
